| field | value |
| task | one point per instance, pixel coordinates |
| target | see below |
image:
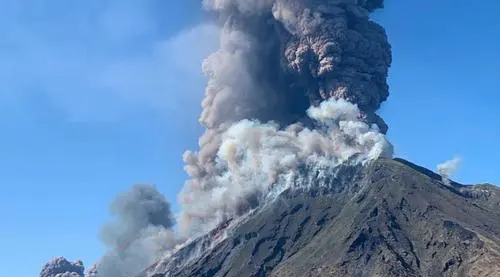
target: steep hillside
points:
(391, 218)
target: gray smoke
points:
(277, 57)
(141, 232)
(294, 81)
(60, 267)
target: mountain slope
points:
(391, 218)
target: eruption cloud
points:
(294, 82)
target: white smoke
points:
(448, 168)
(255, 157)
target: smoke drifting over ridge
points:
(448, 168)
(293, 82)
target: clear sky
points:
(97, 95)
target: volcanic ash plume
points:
(141, 233)
(279, 56)
(448, 168)
(60, 267)
(293, 83)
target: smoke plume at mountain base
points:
(141, 233)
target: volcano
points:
(388, 218)
(293, 175)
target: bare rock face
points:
(391, 218)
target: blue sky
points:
(98, 95)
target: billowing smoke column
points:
(293, 82)
(60, 267)
(279, 56)
(141, 233)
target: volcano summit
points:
(390, 218)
